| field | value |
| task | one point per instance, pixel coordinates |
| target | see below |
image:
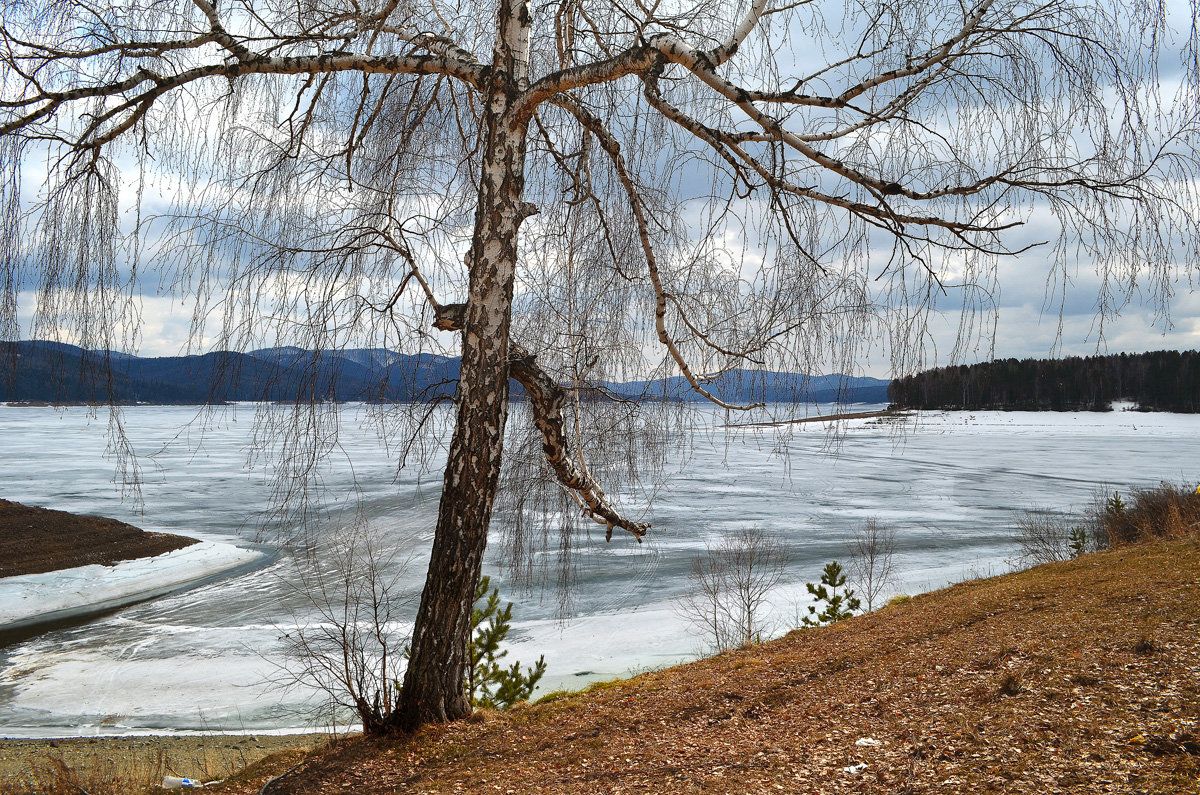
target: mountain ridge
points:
(52, 372)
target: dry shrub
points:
(1045, 538)
(1010, 685)
(1168, 511)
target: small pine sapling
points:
(489, 683)
(1078, 541)
(1115, 506)
(838, 606)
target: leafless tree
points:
(872, 548)
(350, 646)
(763, 184)
(729, 588)
(1043, 537)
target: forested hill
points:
(36, 371)
(1156, 381)
(57, 373)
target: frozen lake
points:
(950, 485)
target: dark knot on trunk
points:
(450, 317)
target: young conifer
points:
(490, 684)
(838, 606)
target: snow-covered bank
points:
(30, 599)
(1123, 422)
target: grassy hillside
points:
(1073, 677)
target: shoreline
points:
(1005, 649)
(36, 540)
(1033, 681)
(149, 756)
(853, 415)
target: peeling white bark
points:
(433, 684)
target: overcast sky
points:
(1031, 320)
(1027, 323)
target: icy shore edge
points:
(30, 599)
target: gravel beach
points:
(24, 763)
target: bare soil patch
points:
(35, 540)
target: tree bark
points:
(433, 688)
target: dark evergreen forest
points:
(1157, 381)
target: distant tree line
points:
(1157, 381)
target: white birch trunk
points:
(433, 688)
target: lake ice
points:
(950, 484)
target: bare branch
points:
(612, 148)
(547, 400)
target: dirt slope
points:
(1081, 677)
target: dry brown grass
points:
(102, 773)
(1080, 677)
(1165, 511)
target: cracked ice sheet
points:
(951, 484)
(30, 599)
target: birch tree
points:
(872, 549)
(730, 587)
(580, 190)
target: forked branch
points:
(547, 399)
